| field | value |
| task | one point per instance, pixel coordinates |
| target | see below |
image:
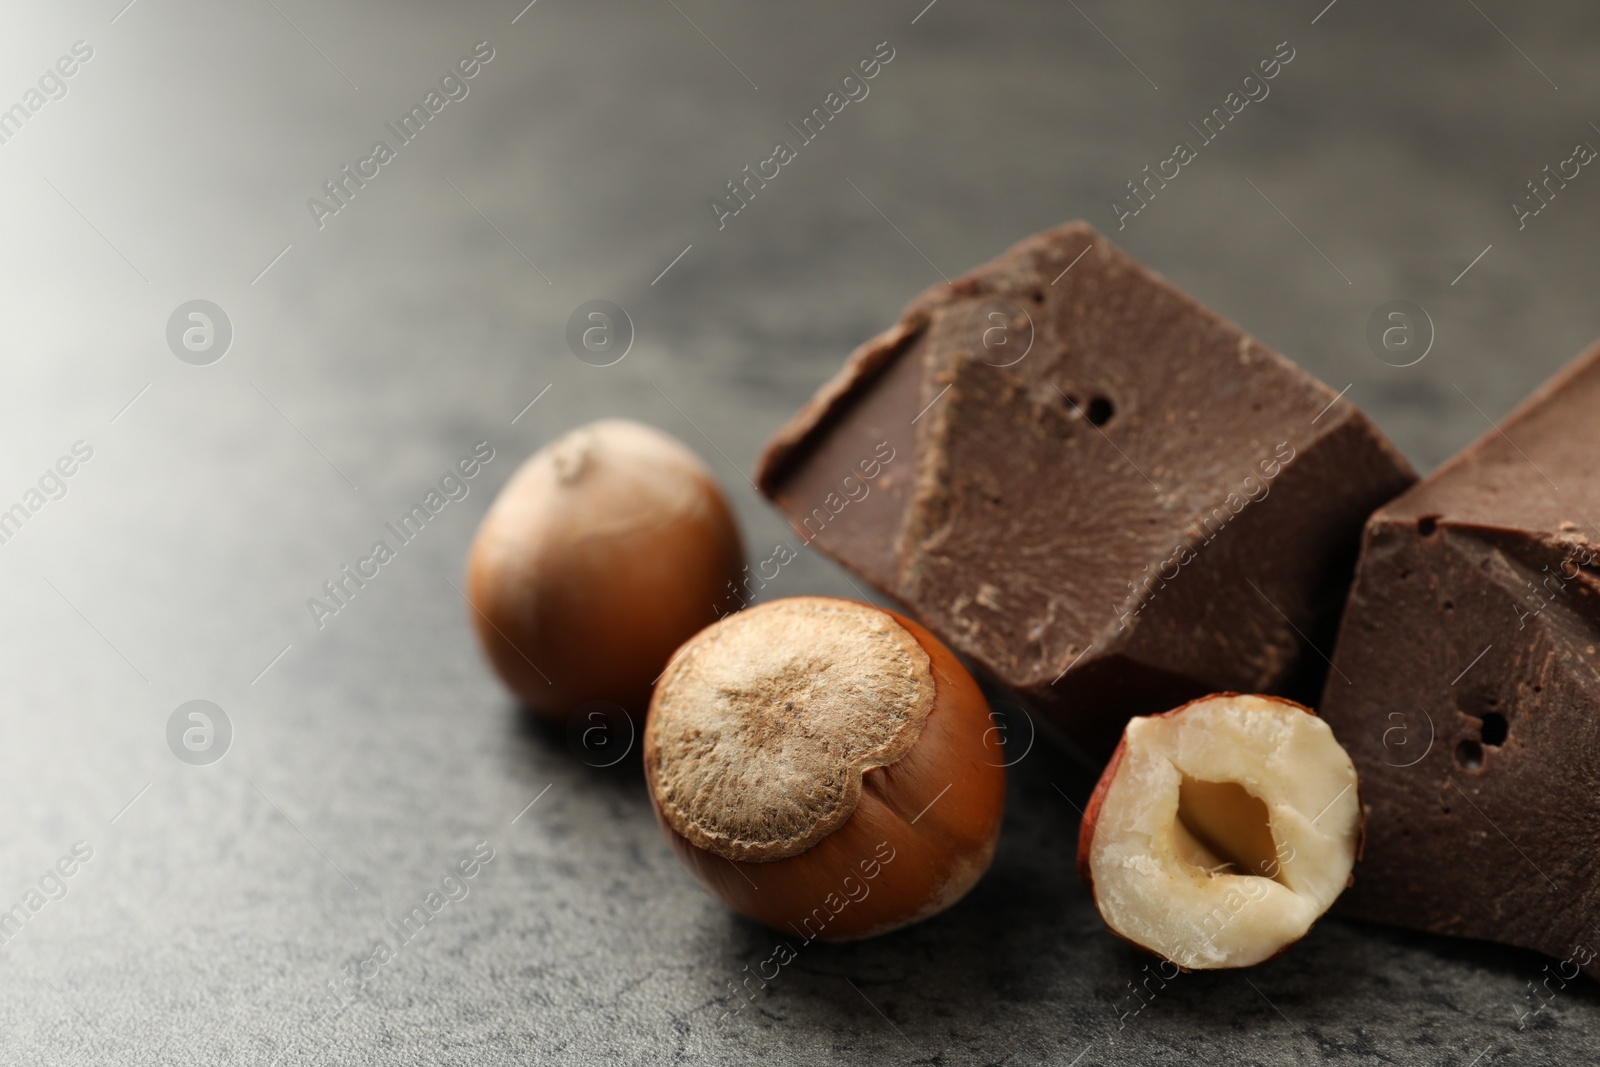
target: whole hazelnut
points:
(607, 549)
(1221, 830)
(825, 767)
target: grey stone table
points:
(366, 340)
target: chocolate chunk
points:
(1103, 493)
(1467, 687)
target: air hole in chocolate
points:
(1100, 410)
(1223, 824)
(1038, 297)
(1494, 729)
(1428, 525)
(1470, 755)
(1449, 605)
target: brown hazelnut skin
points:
(923, 833)
(607, 549)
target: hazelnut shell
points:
(606, 550)
(934, 812)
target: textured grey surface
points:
(220, 904)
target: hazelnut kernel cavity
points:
(1221, 830)
(825, 767)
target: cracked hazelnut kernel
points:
(609, 548)
(825, 767)
(1221, 830)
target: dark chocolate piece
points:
(1103, 493)
(1467, 687)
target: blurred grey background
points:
(225, 904)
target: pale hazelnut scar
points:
(764, 725)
